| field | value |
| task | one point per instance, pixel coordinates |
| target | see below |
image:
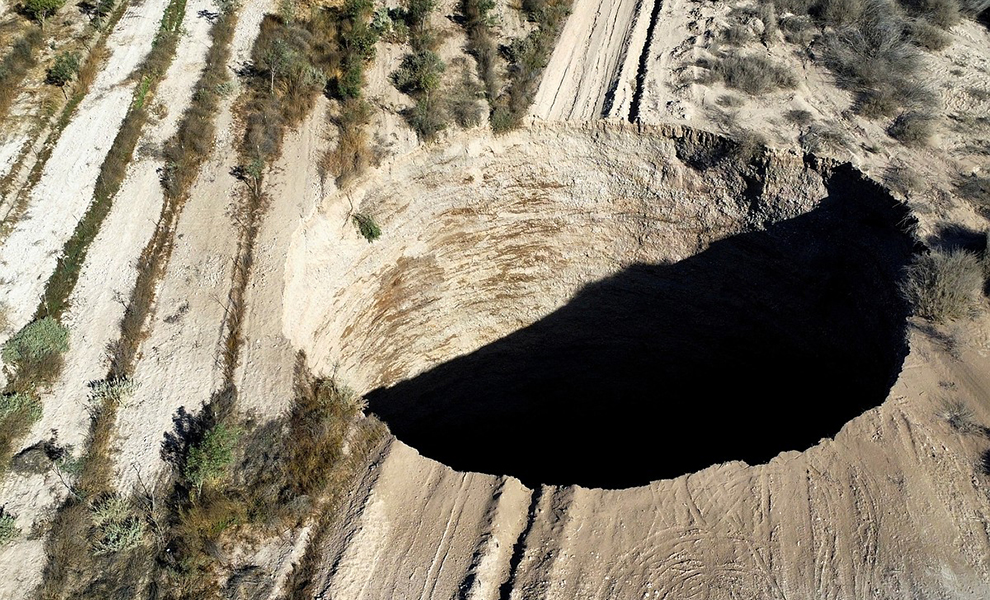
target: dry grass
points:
(944, 285)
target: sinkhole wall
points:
(605, 305)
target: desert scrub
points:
(350, 50)
(119, 528)
(8, 528)
(208, 461)
(367, 226)
(749, 73)
(41, 10)
(421, 73)
(944, 284)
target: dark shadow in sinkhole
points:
(765, 342)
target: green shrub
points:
(8, 528)
(367, 226)
(207, 461)
(944, 285)
(420, 72)
(38, 341)
(64, 69)
(14, 405)
(118, 526)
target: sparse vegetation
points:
(528, 58)
(944, 284)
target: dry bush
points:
(752, 74)
(976, 189)
(18, 412)
(736, 35)
(928, 36)
(944, 284)
(913, 128)
(837, 13)
(944, 13)
(730, 101)
(960, 417)
(903, 180)
(351, 155)
(482, 45)
(464, 101)
(800, 117)
(799, 29)
(878, 103)
(822, 139)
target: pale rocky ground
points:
(893, 506)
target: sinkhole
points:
(608, 350)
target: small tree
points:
(64, 69)
(277, 59)
(40, 10)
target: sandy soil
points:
(96, 305)
(891, 508)
(28, 255)
(604, 50)
(179, 365)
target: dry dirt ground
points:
(484, 236)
